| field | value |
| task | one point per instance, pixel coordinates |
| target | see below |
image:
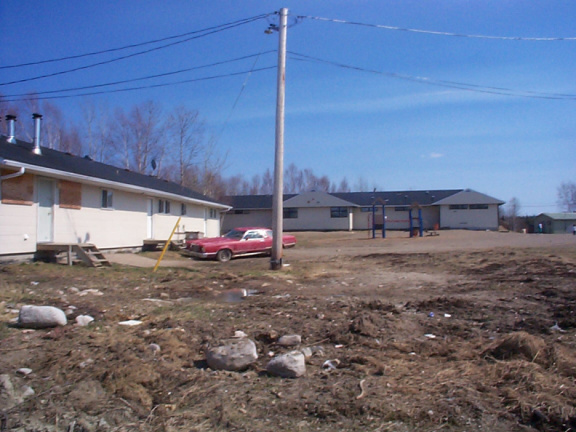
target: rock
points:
(290, 340)
(290, 365)
(37, 317)
(10, 396)
(155, 348)
(307, 352)
(232, 355)
(84, 320)
(24, 371)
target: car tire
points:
(224, 255)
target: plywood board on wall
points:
(18, 190)
(70, 195)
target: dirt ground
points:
(462, 331)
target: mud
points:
(457, 332)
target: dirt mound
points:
(520, 345)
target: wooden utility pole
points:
(277, 203)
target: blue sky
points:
(394, 134)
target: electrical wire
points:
(442, 83)
(223, 128)
(31, 97)
(141, 78)
(439, 33)
(127, 56)
(72, 57)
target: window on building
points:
(478, 206)
(338, 212)
(402, 209)
(459, 207)
(164, 206)
(290, 213)
(183, 209)
(366, 209)
(213, 213)
(241, 211)
(107, 198)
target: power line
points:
(140, 78)
(439, 33)
(72, 57)
(141, 87)
(442, 83)
(223, 28)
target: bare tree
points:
(267, 183)
(343, 186)
(567, 196)
(512, 211)
(186, 131)
(145, 124)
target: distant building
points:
(321, 211)
(554, 223)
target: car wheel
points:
(224, 255)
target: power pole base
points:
(275, 264)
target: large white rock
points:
(290, 365)
(232, 355)
(37, 317)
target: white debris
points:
(84, 320)
(130, 323)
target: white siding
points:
(316, 219)
(123, 225)
(17, 228)
(469, 219)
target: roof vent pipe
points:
(37, 120)
(10, 119)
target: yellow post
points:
(166, 245)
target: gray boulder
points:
(232, 355)
(37, 317)
(290, 340)
(290, 365)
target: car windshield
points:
(234, 234)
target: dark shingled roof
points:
(21, 152)
(401, 198)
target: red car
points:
(238, 242)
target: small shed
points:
(554, 223)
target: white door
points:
(45, 190)
(149, 226)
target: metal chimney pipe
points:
(37, 121)
(10, 119)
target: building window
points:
(213, 214)
(241, 211)
(183, 209)
(290, 213)
(366, 209)
(338, 212)
(107, 198)
(164, 206)
(478, 206)
(459, 207)
(402, 209)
